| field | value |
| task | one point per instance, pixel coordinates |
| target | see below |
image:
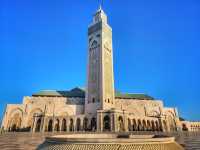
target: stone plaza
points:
(24, 141)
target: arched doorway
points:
(139, 125)
(71, 125)
(64, 125)
(93, 124)
(14, 128)
(148, 125)
(15, 123)
(184, 127)
(153, 125)
(85, 124)
(57, 125)
(50, 126)
(38, 125)
(78, 124)
(144, 125)
(106, 123)
(134, 125)
(157, 126)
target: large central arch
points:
(15, 121)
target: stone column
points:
(60, 125)
(111, 122)
(68, 123)
(114, 123)
(53, 124)
(75, 126)
(34, 124)
(81, 123)
(99, 122)
(125, 123)
(43, 124)
(160, 122)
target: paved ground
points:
(27, 141)
(192, 141)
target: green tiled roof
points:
(133, 96)
(181, 119)
(78, 92)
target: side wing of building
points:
(40, 110)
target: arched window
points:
(94, 44)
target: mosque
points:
(98, 107)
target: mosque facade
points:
(98, 107)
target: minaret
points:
(100, 84)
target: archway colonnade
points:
(195, 128)
(120, 121)
(63, 124)
(146, 125)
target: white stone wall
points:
(140, 107)
(172, 117)
(190, 126)
(48, 106)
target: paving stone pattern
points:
(28, 141)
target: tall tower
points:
(100, 84)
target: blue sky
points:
(43, 45)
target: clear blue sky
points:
(43, 45)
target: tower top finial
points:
(100, 15)
(100, 4)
